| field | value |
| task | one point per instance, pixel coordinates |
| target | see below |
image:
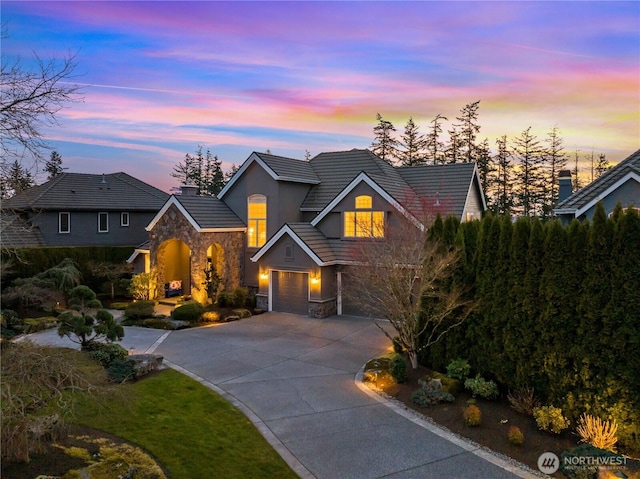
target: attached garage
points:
(290, 292)
(346, 305)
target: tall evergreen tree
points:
(575, 173)
(412, 145)
(453, 152)
(485, 165)
(530, 181)
(468, 128)
(53, 166)
(202, 170)
(15, 180)
(602, 165)
(555, 160)
(435, 147)
(502, 186)
(384, 145)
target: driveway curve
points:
(293, 376)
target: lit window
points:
(103, 222)
(64, 223)
(124, 219)
(257, 220)
(364, 223)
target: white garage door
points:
(290, 292)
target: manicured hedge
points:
(557, 310)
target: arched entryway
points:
(174, 264)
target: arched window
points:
(364, 222)
(257, 220)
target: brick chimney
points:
(565, 185)
(189, 190)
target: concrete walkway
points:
(296, 379)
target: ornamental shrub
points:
(481, 387)
(449, 385)
(585, 456)
(189, 312)
(430, 394)
(398, 368)
(240, 296)
(597, 432)
(515, 436)
(210, 317)
(140, 309)
(158, 323)
(241, 313)
(472, 415)
(549, 418)
(225, 299)
(459, 369)
(105, 353)
(121, 370)
(33, 325)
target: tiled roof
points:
(290, 168)
(209, 212)
(337, 169)
(593, 190)
(315, 240)
(446, 184)
(16, 232)
(82, 191)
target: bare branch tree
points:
(406, 279)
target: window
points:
(64, 223)
(257, 221)
(288, 252)
(363, 222)
(124, 219)
(103, 222)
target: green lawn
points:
(191, 430)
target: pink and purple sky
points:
(162, 77)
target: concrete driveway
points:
(295, 378)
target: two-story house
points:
(282, 226)
(79, 209)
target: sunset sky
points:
(162, 77)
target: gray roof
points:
(337, 169)
(82, 191)
(210, 212)
(315, 240)
(290, 169)
(447, 184)
(593, 190)
(17, 232)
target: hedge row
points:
(558, 309)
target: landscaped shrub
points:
(515, 436)
(240, 296)
(225, 299)
(472, 415)
(121, 370)
(549, 418)
(119, 305)
(158, 323)
(140, 309)
(581, 462)
(481, 387)
(189, 312)
(33, 325)
(598, 433)
(242, 313)
(449, 385)
(459, 369)
(105, 353)
(210, 317)
(523, 400)
(430, 394)
(398, 368)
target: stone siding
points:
(173, 225)
(323, 309)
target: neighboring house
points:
(283, 226)
(77, 209)
(621, 184)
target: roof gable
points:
(279, 168)
(310, 240)
(207, 214)
(82, 191)
(585, 198)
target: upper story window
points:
(124, 219)
(64, 223)
(364, 222)
(103, 222)
(257, 220)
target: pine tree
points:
(212, 180)
(412, 145)
(485, 164)
(453, 152)
(53, 166)
(434, 147)
(556, 160)
(384, 145)
(468, 130)
(15, 180)
(530, 181)
(503, 183)
(577, 184)
(602, 165)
